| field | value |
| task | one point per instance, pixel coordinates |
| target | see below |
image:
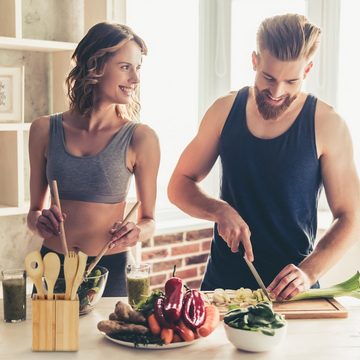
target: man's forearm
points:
(342, 234)
(192, 200)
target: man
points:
(278, 146)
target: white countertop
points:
(325, 339)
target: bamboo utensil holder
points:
(55, 324)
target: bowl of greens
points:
(255, 328)
(90, 290)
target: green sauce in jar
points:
(138, 286)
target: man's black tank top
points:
(274, 184)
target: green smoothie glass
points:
(14, 294)
(138, 282)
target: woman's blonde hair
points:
(288, 37)
(90, 57)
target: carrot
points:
(212, 318)
(176, 338)
(167, 335)
(153, 325)
(186, 333)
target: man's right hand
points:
(48, 222)
(234, 230)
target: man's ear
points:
(254, 60)
(308, 68)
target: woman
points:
(92, 150)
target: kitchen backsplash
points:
(15, 241)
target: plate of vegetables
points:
(174, 318)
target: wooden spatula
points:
(35, 269)
(70, 269)
(51, 272)
(79, 274)
(107, 246)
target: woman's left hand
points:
(125, 236)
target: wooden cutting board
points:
(311, 309)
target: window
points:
(201, 49)
(169, 77)
(349, 76)
(245, 21)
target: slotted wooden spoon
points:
(35, 268)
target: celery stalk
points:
(350, 287)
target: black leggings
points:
(116, 264)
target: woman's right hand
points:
(48, 222)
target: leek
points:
(350, 287)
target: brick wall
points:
(187, 250)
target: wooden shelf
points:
(35, 45)
(53, 58)
(6, 210)
(14, 126)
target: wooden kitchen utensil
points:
(79, 274)
(51, 272)
(107, 246)
(70, 269)
(57, 203)
(35, 269)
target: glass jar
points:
(14, 294)
(138, 282)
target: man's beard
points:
(270, 111)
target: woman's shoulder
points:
(144, 132)
(40, 126)
(144, 137)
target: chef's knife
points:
(257, 277)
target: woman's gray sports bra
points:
(100, 178)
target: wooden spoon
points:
(51, 272)
(62, 228)
(35, 268)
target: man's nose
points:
(277, 91)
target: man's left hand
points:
(290, 281)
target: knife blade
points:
(257, 277)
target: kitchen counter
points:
(324, 339)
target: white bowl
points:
(253, 340)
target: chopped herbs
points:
(138, 339)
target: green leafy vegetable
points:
(138, 339)
(146, 306)
(350, 287)
(258, 317)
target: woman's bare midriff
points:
(87, 226)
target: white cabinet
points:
(39, 36)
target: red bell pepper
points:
(193, 309)
(159, 313)
(173, 298)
